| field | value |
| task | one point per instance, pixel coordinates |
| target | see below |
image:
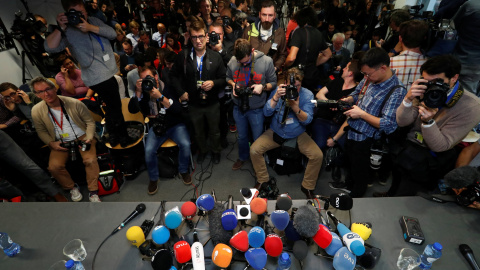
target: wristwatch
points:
(429, 122)
(299, 111)
(264, 87)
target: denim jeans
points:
(254, 119)
(323, 129)
(180, 136)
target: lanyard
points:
(199, 67)
(55, 120)
(362, 91)
(99, 40)
(453, 93)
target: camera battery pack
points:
(412, 232)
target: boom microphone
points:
(217, 233)
(138, 210)
(222, 255)
(306, 221)
(198, 257)
(468, 254)
(256, 258)
(352, 240)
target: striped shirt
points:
(407, 66)
(371, 103)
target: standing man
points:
(161, 35)
(145, 42)
(65, 125)
(197, 76)
(267, 36)
(89, 42)
(252, 71)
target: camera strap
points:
(63, 112)
(455, 96)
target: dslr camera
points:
(226, 21)
(72, 149)
(213, 38)
(202, 94)
(158, 123)
(244, 93)
(436, 94)
(470, 195)
(74, 17)
(340, 105)
(291, 92)
(148, 83)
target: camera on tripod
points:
(291, 92)
(148, 83)
(74, 17)
(436, 94)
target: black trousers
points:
(358, 165)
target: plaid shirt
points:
(407, 66)
(371, 103)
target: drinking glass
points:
(75, 250)
(408, 259)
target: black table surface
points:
(42, 229)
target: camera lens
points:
(148, 83)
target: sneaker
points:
(94, 197)
(187, 178)
(232, 128)
(152, 187)
(339, 185)
(380, 194)
(201, 157)
(238, 164)
(75, 195)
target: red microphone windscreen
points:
(240, 241)
(258, 206)
(182, 252)
(273, 245)
(189, 209)
(323, 237)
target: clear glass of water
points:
(75, 250)
(408, 259)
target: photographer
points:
(164, 110)
(251, 75)
(218, 43)
(88, 39)
(464, 182)
(292, 110)
(441, 113)
(66, 126)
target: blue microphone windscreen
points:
(335, 245)
(160, 235)
(173, 219)
(357, 248)
(205, 202)
(342, 229)
(229, 220)
(280, 219)
(256, 257)
(256, 237)
(291, 233)
(344, 260)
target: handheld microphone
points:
(189, 209)
(182, 252)
(284, 202)
(217, 233)
(222, 255)
(364, 229)
(135, 235)
(249, 194)
(300, 251)
(258, 206)
(229, 217)
(256, 258)
(467, 252)
(323, 237)
(335, 245)
(280, 219)
(344, 260)
(198, 257)
(256, 237)
(273, 245)
(340, 201)
(291, 233)
(352, 240)
(138, 210)
(370, 258)
(205, 202)
(306, 221)
(162, 260)
(173, 218)
(160, 235)
(240, 241)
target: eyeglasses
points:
(198, 37)
(368, 75)
(42, 92)
(11, 96)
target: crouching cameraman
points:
(464, 182)
(164, 111)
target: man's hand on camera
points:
(234, 92)
(184, 97)
(56, 146)
(475, 205)
(281, 91)
(218, 47)
(62, 21)
(155, 93)
(228, 29)
(426, 113)
(294, 104)
(138, 85)
(257, 89)
(84, 26)
(416, 90)
(355, 112)
(207, 85)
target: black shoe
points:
(336, 173)
(340, 186)
(216, 158)
(201, 157)
(381, 194)
(308, 193)
(382, 182)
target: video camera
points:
(213, 38)
(470, 195)
(24, 28)
(340, 105)
(436, 94)
(74, 17)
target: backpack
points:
(110, 179)
(168, 161)
(284, 166)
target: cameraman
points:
(299, 115)
(65, 125)
(428, 153)
(251, 75)
(222, 46)
(153, 103)
(89, 43)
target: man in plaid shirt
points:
(367, 119)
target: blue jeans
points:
(255, 119)
(180, 136)
(323, 129)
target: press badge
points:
(274, 46)
(65, 135)
(419, 137)
(199, 84)
(289, 121)
(106, 57)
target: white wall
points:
(10, 62)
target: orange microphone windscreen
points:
(258, 206)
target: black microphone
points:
(138, 210)
(468, 254)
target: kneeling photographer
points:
(252, 75)
(164, 111)
(441, 113)
(292, 110)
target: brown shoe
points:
(187, 179)
(257, 185)
(152, 187)
(238, 164)
(59, 197)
